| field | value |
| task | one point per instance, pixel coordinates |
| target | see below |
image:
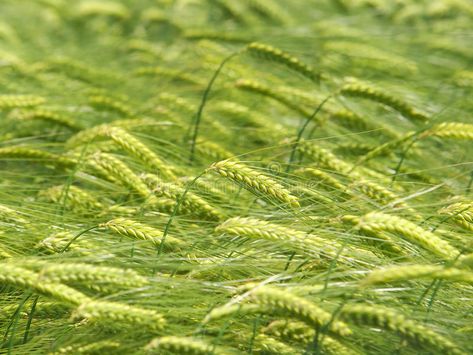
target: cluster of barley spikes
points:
(236, 177)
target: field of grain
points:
(236, 177)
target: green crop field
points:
(236, 177)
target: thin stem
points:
(198, 116)
(174, 211)
(303, 128)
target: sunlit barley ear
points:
(267, 344)
(97, 347)
(284, 303)
(301, 333)
(355, 88)
(8, 102)
(254, 181)
(302, 242)
(118, 314)
(52, 117)
(389, 319)
(181, 345)
(417, 272)
(267, 52)
(21, 278)
(117, 171)
(452, 130)
(253, 86)
(379, 223)
(191, 203)
(139, 231)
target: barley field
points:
(236, 177)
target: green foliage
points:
(226, 177)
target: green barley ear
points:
(269, 345)
(270, 53)
(181, 345)
(454, 130)
(26, 153)
(86, 273)
(287, 304)
(380, 223)
(134, 146)
(264, 90)
(300, 332)
(95, 348)
(359, 89)
(118, 171)
(49, 116)
(411, 272)
(192, 203)
(25, 279)
(8, 102)
(304, 243)
(106, 103)
(73, 197)
(113, 313)
(135, 230)
(102, 8)
(384, 318)
(254, 181)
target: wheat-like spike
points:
(455, 130)
(8, 102)
(94, 348)
(76, 199)
(136, 230)
(269, 9)
(264, 90)
(233, 311)
(22, 152)
(182, 346)
(200, 34)
(42, 310)
(119, 171)
(386, 148)
(364, 314)
(285, 303)
(301, 241)
(254, 181)
(134, 146)
(378, 223)
(269, 345)
(291, 330)
(386, 241)
(8, 214)
(169, 73)
(106, 103)
(357, 89)
(461, 212)
(212, 150)
(191, 203)
(102, 8)
(382, 195)
(324, 158)
(80, 272)
(49, 116)
(267, 52)
(56, 243)
(411, 272)
(123, 314)
(325, 178)
(465, 261)
(302, 333)
(28, 280)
